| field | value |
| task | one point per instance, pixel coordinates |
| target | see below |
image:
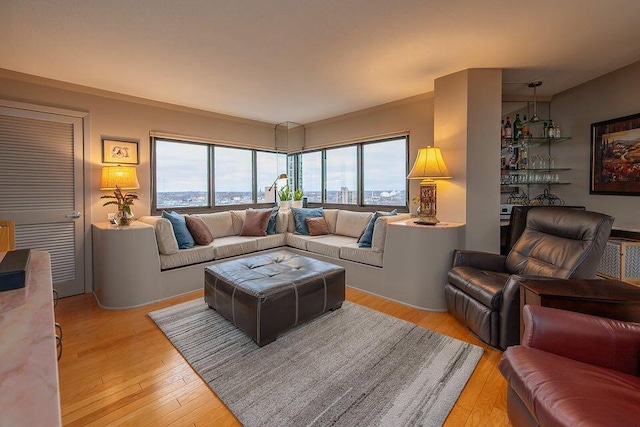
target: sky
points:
(184, 167)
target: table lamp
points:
(428, 166)
(124, 177)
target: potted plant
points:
(124, 202)
(297, 198)
(284, 195)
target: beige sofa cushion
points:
(329, 245)
(237, 219)
(270, 241)
(298, 240)
(183, 257)
(167, 243)
(225, 247)
(220, 223)
(362, 255)
(380, 230)
(351, 223)
(282, 221)
(331, 215)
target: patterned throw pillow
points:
(199, 230)
(317, 226)
(184, 238)
(256, 222)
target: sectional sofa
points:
(160, 270)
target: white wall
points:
(113, 115)
(414, 115)
(613, 95)
(467, 112)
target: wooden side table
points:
(605, 298)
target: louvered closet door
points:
(41, 189)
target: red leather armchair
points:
(573, 369)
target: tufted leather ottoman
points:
(267, 294)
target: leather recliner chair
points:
(483, 291)
(573, 369)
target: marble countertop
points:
(29, 389)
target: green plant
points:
(124, 203)
(284, 193)
(298, 194)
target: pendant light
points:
(534, 84)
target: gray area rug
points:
(354, 366)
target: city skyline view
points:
(183, 176)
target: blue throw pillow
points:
(367, 237)
(184, 238)
(299, 216)
(271, 226)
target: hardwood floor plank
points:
(119, 369)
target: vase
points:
(122, 219)
(296, 204)
(284, 204)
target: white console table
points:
(29, 390)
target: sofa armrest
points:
(608, 343)
(479, 260)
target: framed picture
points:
(120, 151)
(615, 156)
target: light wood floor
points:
(117, 368)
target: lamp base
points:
(426, 220)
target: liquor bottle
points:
(551, 130)
(508, 130)
(557, 131)
(525, 128)
(517, 128)
(502, 131)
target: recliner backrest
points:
(518, 222)
(560, 243)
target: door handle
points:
(74, 215)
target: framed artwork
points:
(123, 152)
(615, 156)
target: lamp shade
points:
(124, 177)
(429, 165)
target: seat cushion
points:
(329, 245)
(229, 246)
(561, 391)
(184, 257)
(355, 253)
(297, 240)
(483, 286)
(270, 241)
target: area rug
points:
(353, 366)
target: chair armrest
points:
(479, 260)
(608, 343)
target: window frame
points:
(295, 178)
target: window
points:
(268, 167)
(233, 171)
(181, 174)
(311, 172)
(341, 171)
(384, 173)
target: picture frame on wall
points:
(615, 156)
(120, 151)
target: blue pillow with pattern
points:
(367, 237)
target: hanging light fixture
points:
(534, 84)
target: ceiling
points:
(306, 60)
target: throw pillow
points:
(365, 240)
(255, 222)
(184, 238)
(271, 227)
(199, 230)
(317, 226)
(301, 214)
